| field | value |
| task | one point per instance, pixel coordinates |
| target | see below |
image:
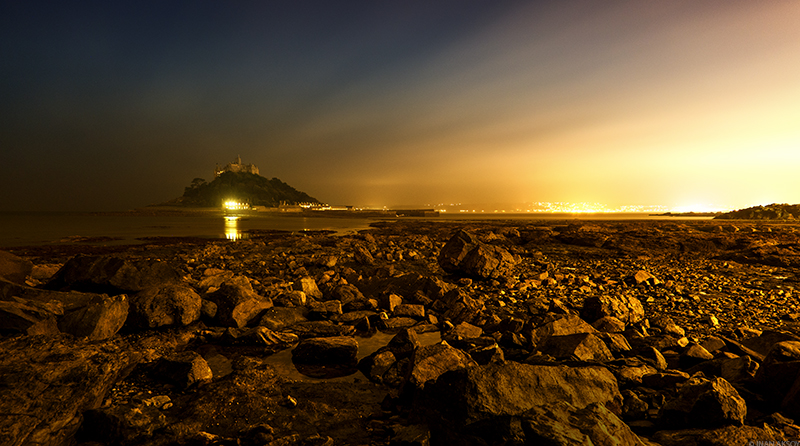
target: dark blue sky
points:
(109, 106)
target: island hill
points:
(773, 211)
(241, 183)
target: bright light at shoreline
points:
(233, 205)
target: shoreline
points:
(683, 297)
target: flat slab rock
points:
(46, 383)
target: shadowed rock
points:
(728, 435)
(101, 317)
(330, 350)
(464, 254)
(165, 305)
(580, 346)
(428, 363)
(48, 382)
(29, 317)
(625, 308)
(33, 311)
(277, 318)
(509, 389)
(309, 286)
(455, 250)
(563, 424)
(13, 268)
(184, 369)
(562, 326)
(238, 304)
(459, 306)
(111, 274)
(704, 403)
(779, 369)
(320, 329)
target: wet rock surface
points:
(552, 332)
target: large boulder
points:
(764, 342)
(347, 294)
(320, 329)
(455, 250)
(184, 369)
(473, 394)
(213, 278)
(362, 255)
(329, 350)
(14, 269)
(164, 305)
(465, 254)
(33, 310)
(559, 423)
(580, 346)
(238, 304)
(122, 424)
(561, 326)
(704, 403)
(459, 306)
(111, 274)
(563, 424)
(429, 362)
(488, 261)
(278, 318)
(724, 436)
(375, 366)
(778, 376)
(48, 382)
(391, 360)
(29, 317)
(309, 286)
(627, 309)
(779, 370)
(100, 317)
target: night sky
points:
(685, 104)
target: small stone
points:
(159, 401)
(713, 344)
(288, 401)
(711, 320)
(643, 277)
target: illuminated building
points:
(236, 166)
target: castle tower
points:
(236, 166)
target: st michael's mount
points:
(239, 186)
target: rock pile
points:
(550, 333)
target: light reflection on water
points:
(43, 228)
(232, 232)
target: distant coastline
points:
(687, 214)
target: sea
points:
(46, 228)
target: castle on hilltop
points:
(236, 166)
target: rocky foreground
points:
(504, 333)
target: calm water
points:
(41, 228)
